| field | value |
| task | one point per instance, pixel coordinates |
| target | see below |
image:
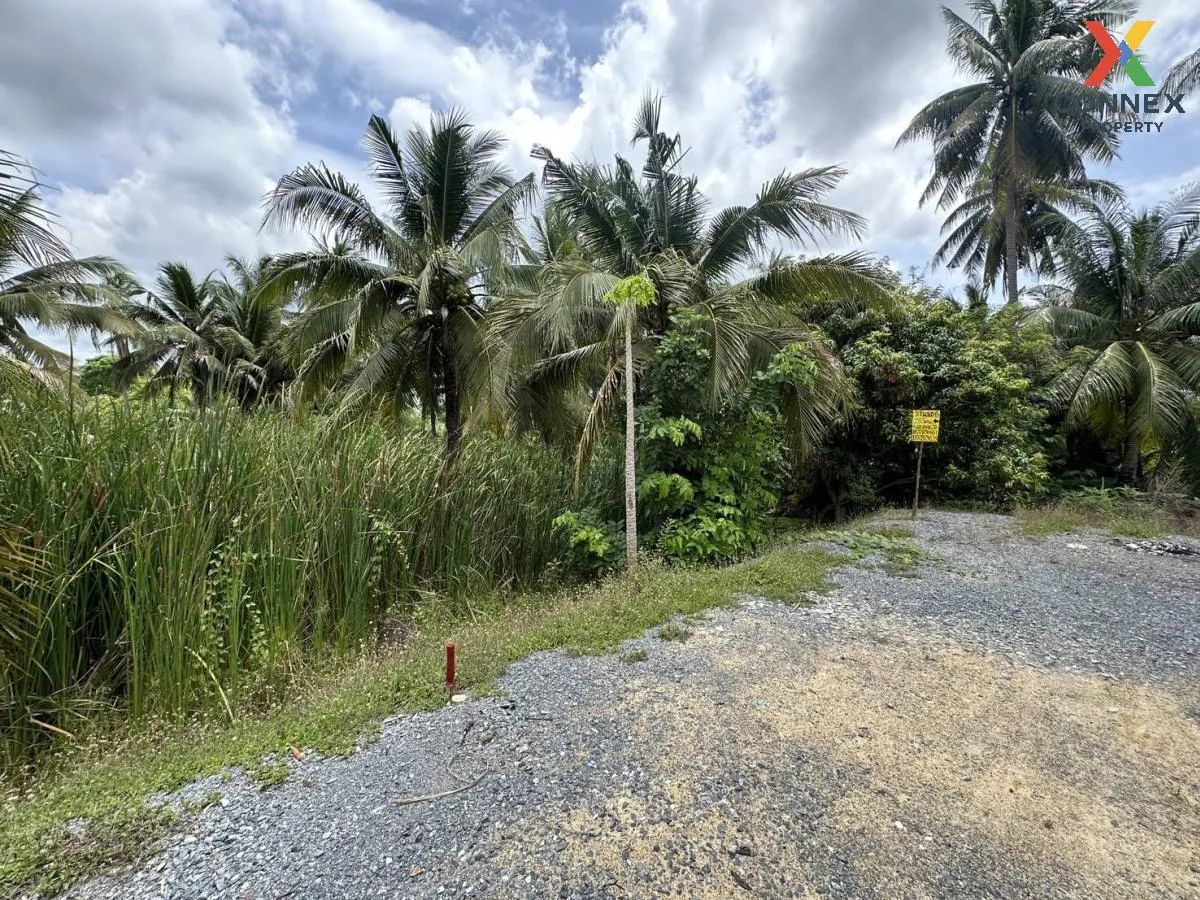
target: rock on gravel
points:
(1017, 721)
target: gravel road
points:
(1021, 720)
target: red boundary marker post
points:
(451, 675)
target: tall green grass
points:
(188, 562)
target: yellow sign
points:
(926, 424)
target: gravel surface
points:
(1021, 720)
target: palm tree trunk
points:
(1132, 456)
(452, 390)
(1010, 243)
(1010, 207)
(631, 536)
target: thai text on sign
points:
(926, 423)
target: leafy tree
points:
(40, 282)
(1129, 313)
(97, 378)
(1026, 119)
(710, 475)
(927, 352)
(716, 264)
(392, 308)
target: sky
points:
(160, 124)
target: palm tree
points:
(179, 344)
(513, 400)
(252, 329)
(40, 282)
(554, 334)
(124, 288)
(1130, 311)
(393, 307)
(1027, 117)
(975, 296)
(976, 230)
(1184, 76)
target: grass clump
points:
(1122, 512)
(673, 631)
(267, 773)
(634, 656)
(212, 798)
(104, 780)
(901, 554)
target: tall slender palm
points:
(40, 282)
(1027, 117)
(1131, 310)
(558, 335)
(394, 309)
(629, 294)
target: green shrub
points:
(708, 476)
(983, 373)
(596, 546)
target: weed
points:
(1121, 512)
(267, 774)
(673, 631)
(199, 804)
(901, 554)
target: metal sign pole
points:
(917, 491)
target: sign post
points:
(926, 426)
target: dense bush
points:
(708, 474)
(188, 559)
(984, 374)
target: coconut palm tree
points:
(40, 282)
(392, 307)
(178, 344)
(976, 230)
(252, 328)
(555, 335)
(513, 400)
(1026, 117)
(124, 288)
(1129, 310)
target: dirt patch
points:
(896, 764)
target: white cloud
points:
(165, 122)
(148, 115)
